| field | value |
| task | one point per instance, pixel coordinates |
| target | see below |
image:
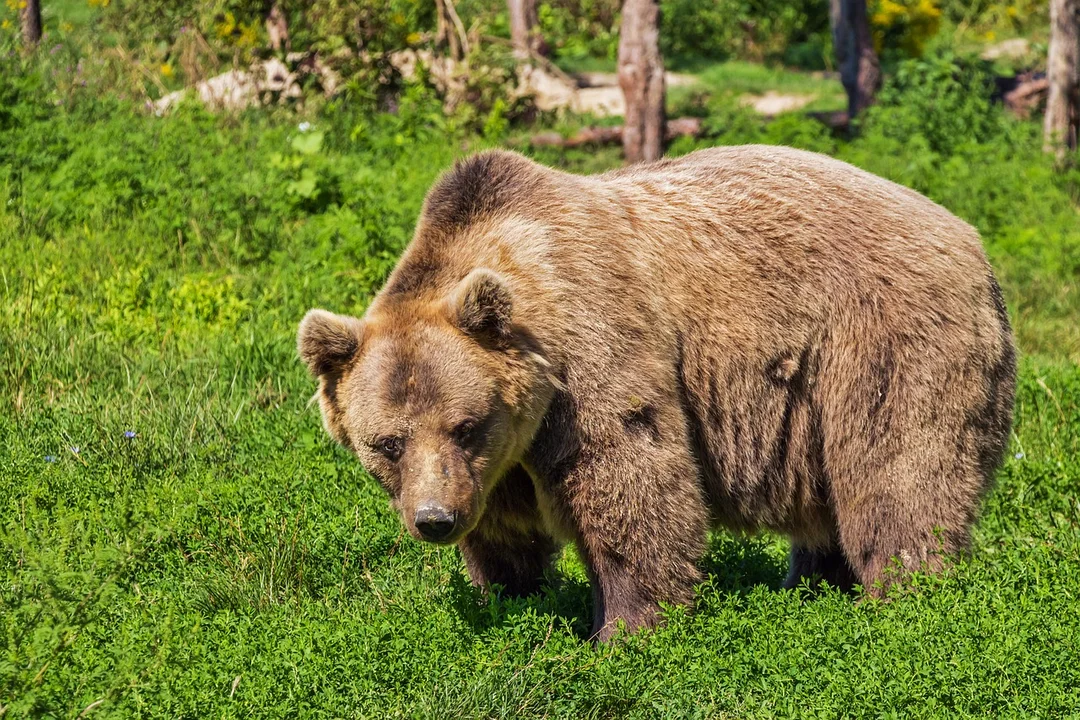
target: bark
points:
(860, 70)
(525, 29)
(678, 127)
(31, 22)
(1063, 75)
(641, 77)
(1026, 97)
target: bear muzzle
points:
(440, 499)
(434, 522)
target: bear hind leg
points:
(909, 443)
(886, 536)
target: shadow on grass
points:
(567, 600)
(731, 565)
(738, 564)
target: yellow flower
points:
(906, 24)
(412, 38)
(990, 35)
(5, 24)
(66, 27)
(928, 9)
(249, 35)
(167, 70)
(226, 27)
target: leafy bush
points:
(996, 17)
(747, 29)
(578, 29)
(942, 102)
(691, 31)
(903, 27)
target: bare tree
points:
(860, 71)
(641, 77)
(450, 32)
(31, 21)
(525, 29)
(1062, 119)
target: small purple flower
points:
(1019, 456)
(74, 449)
(50, 458)
(183, 29)
(54, 49)
(129, 434)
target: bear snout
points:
(434, 522)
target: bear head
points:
(437, 395)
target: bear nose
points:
(434, 522)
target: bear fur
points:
(746, 337)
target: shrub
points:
(942, 102)
(746, 29)
(903, 27)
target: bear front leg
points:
(508, 547)
(641, 527)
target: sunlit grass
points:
(208, 551)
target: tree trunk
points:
(525, 29)
(1060, 127)
(641, 77)
(31, 22)
(860, 71)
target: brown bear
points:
(751, 337)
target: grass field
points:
(179, 538)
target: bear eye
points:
(391, 447)
(465, 432)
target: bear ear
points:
(482, 304)
(327, 341)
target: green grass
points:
(229, 560)
(733, 79)
(587, 63)
(737, 76)
(76, 13)
(729, 80)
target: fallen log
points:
(679, 127)
(1026, 97)
(833, 119)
